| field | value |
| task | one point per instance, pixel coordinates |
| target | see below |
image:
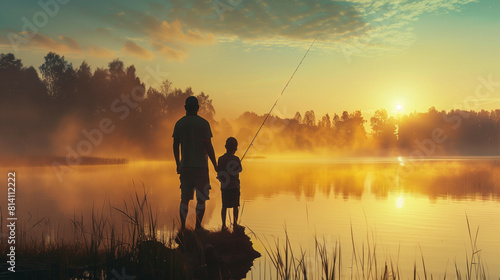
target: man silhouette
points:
(193, 134)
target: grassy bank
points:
(99, 249)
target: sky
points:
(368, 55)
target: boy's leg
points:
(223, 216)
(183, 210)
(235, 214)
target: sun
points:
(399, 108)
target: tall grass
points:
(98, 249)
(95, 249)
(328, 261)
(474, 264)
(287, 265)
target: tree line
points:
(424, 134)
(46, 115)
(50, 113)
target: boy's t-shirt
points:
(229, 171)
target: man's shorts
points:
(195, 178)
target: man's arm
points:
(176, 154)
(211, 153)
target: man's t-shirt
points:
(192, 131)
(229, 171)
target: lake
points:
(405, 211)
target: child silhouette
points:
(228, 175)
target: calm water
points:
(405, 210)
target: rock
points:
(213, 255)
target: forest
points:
(61, 110)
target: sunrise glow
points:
(242, 59)
(220, 139)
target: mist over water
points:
(109, 112)
(408, 183)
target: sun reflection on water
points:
(400, 201)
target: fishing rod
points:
(279, 96)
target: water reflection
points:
(42, 195)
(457, 179)
(406, 203)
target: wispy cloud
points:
(61, 44)
(370, 25)
(137, 51)
(168, 52)
(71, 43)
(38, 41)
(390, 23)
(265, 19)
(356, 27)
(171, 39)
(101, 52)
(173, 28)
(166, 32)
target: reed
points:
(474, 264)
(95, 249)
(364, 263)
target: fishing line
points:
(281, 94)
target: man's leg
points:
(235, 214)
(187, 193)
(202, 194)
(183, 211)
(223, 216)
(200, 211)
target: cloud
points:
(172, 39)
(389, 27)
(103, 32)
(101, 52)
(168, 52)
(62, 44)
(367, 25)
(137, 51)
(163, 31)
(173, 28)
(38, 41)
(70, 42)
(262, 20)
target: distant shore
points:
(48, 160)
